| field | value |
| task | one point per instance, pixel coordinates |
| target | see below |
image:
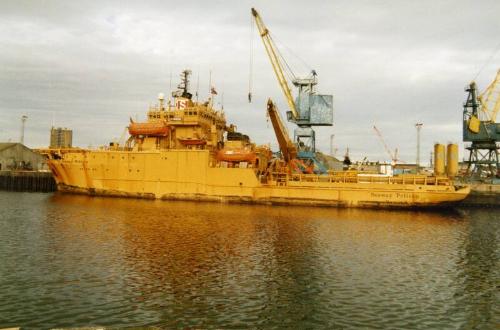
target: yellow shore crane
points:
(308, 108)
(274, 57)
(481, 129)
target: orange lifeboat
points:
(149, 129)
(236, 155)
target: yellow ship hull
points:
(188, 175)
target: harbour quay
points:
(33, 181)
(483, 195)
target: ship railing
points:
(338, 177)
(280, 178)
(353, 177)
(415, 179)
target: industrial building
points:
(16, 156)
(61, 138)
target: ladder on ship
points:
(281, 179)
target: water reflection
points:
(479, 272)
(181, 264)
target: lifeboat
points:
(236, 155)
(149, 129)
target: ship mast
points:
(184, 86)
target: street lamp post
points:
(419, 127)
(23, 122)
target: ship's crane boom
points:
(287, 147)
(272, 52)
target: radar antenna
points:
(183, 86)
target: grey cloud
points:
(389, 63)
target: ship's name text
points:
(391, 195)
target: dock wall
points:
(27, 181)
(483, 195)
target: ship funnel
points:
(452, 159)
(439, 159)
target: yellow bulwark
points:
(186, 150)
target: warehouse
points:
(16, 156)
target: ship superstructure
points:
(183, 124)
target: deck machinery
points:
(308, 109)
(481, 129)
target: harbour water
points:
(68, 261)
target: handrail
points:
(353, 177)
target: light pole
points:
(419, 127)
(23, 121)
(331, 144)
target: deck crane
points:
(308, 108)
(287, 147)
(393, 156)
(480, 128)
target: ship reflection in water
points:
(77, 261)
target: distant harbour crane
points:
(392, 155)
(331, 145)
(481, 129)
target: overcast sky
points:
(89, 66)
